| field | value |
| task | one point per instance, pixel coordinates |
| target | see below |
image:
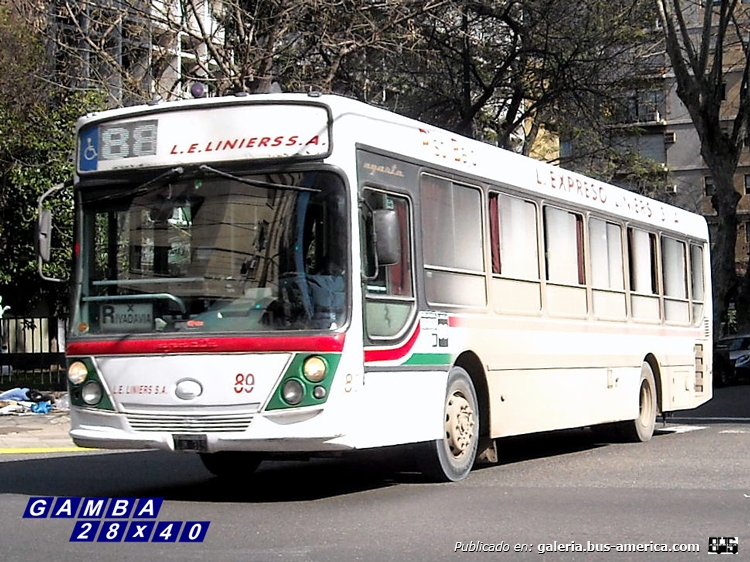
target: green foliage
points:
(36, 147)
(614, 158)
(485, 69)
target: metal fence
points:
(33, 353)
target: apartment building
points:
(664, 130)
(137, 50)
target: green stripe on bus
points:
(430, 359)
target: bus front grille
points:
(189, 423)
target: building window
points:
(747, 181)
(645, 106)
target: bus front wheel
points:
(451, 458)
(230, 464)
(642, 428)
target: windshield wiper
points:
(255, 183)
(169, 174)
(146, 186)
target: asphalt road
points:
(550, 494)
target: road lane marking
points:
(680, 428)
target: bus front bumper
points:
(264, 433)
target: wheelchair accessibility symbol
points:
(88, 150)
(89, 153)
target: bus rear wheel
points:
(231, 464)
(642, 427)
(451, 458)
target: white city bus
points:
(290, 273)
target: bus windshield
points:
(214, 252)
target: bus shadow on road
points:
(549, 444)
(561, 442)
(183, 478)
(290, 481)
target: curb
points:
(37, 450)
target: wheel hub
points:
(459, 425)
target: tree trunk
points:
(724, 233)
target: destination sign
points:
(193, 135)
(129, 317)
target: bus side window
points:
(606, 255)
(607, 270)
(643, 275)
(697, 286)
(563, 242)
(389, 291)
(452, 243)
(514, 237)
(514, 255)
(674, 270)
(642, 256)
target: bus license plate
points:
(190, 443)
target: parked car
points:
(732, 359)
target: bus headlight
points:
(314, 369)
(292, 392)
(77, 372)
(91, 393)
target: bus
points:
(305, 274)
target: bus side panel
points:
(548, 399)
(681, 382)
(398, 407)
(545, 374)
(683, 373)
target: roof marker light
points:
(198, 90)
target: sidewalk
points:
(36, 433)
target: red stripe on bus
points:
(394, 354)
(330, 344)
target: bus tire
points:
(231, 464)
(642, 428)
(451, 458)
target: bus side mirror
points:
(44, 231)
(387, 236)
(44, 235)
